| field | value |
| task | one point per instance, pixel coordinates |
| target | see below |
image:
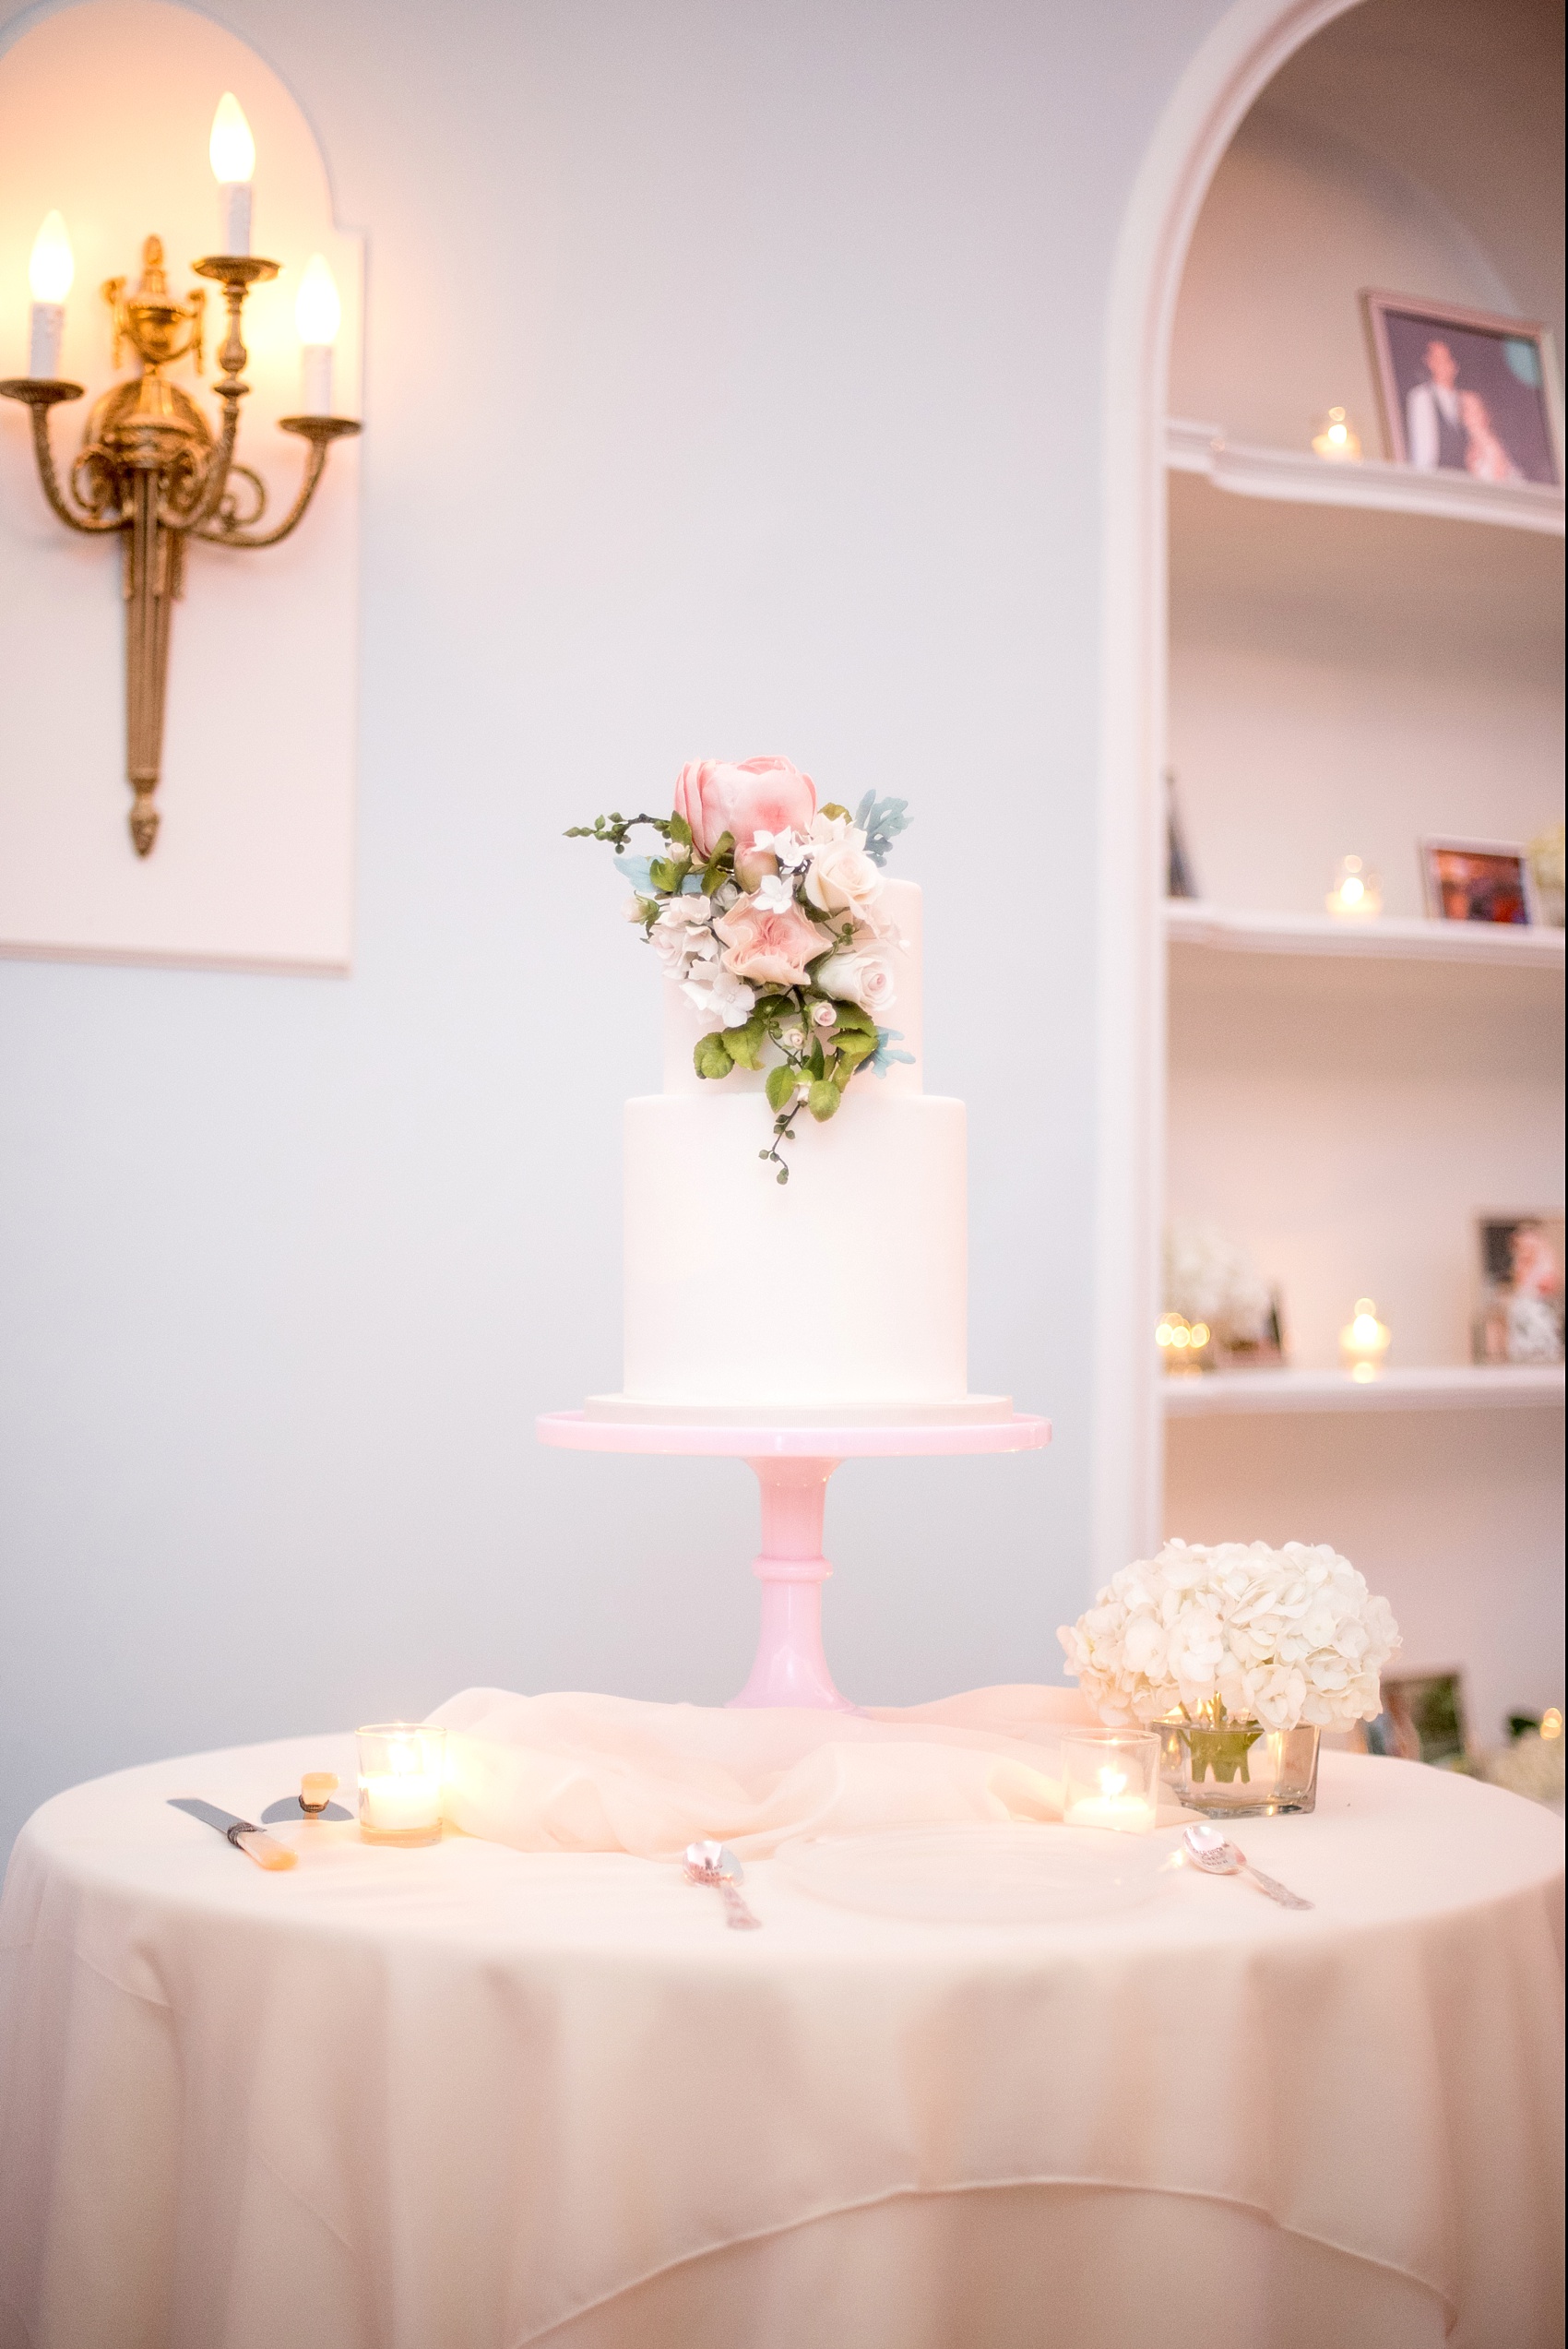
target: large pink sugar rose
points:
(758, 795)
(771, 947)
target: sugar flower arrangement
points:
(766, 912)
(1234, 1633)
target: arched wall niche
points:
(105, 110)
(1432, 150)
(1405, 145)
(1237, 62)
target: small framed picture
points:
(1521, 1282)
(1479, 881)
(1423, 1720)
(1466, 391)
(1179, 878)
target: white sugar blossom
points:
(683, 935)
(792, 848)
(1275, 1636)
(718, 994)
(775, 893)
(1210, 1278)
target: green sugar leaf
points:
(710, 1056)
(744, 1044)
(823, 1100)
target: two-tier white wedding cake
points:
(821, 1281)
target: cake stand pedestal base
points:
(792, 1466)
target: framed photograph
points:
(1180, 879)
(1464, 391)
(1521, 1282)
(1479, 881)
(1423, 1720)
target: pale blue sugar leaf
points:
(883, 1056)
(880, 820)
(637, 872)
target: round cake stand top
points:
(572, 1431)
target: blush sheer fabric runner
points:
(587, 1773)
(473, 2097)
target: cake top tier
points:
(771, 916)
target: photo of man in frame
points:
(1464, 393)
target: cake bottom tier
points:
(843, 1289)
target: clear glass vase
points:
(1239, 1768)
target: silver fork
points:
(1208, 1849)
(715, 1864)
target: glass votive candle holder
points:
(1110, 1778)
(402, 1767)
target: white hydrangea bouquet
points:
(766, 912)
(1235, 1639)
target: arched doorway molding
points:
(1236, 62)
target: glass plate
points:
(982, 1875)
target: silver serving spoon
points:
(715, 1864)
(1208, 1849)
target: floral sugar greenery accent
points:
(1238, 1639)
(766, 912)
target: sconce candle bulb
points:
(318, 314)
(49, 272)
(232, 153)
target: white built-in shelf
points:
(1464, 1387)
(1192, 921)
(1302, 479)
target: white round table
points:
(473, 2098)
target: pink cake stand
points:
(793, 1467)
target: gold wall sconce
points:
(151, 469)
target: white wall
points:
(733, 382)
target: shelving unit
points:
(1362, 656)
(1298, 478)
(1190, 923)
(1464, 1387)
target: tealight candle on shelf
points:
(1110, 1778)
(1336, 439)
(1356, 893)
(49, 272)
(1364, 1341)
(232, 152)
(318, 314)
(1183, 1343)
(401, 1765)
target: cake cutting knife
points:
(244, 1835)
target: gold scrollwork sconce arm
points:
(230, 528)
(41, 393)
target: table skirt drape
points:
(473, 2098)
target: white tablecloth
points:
(473, 2098)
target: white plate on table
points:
(1006, 1874)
